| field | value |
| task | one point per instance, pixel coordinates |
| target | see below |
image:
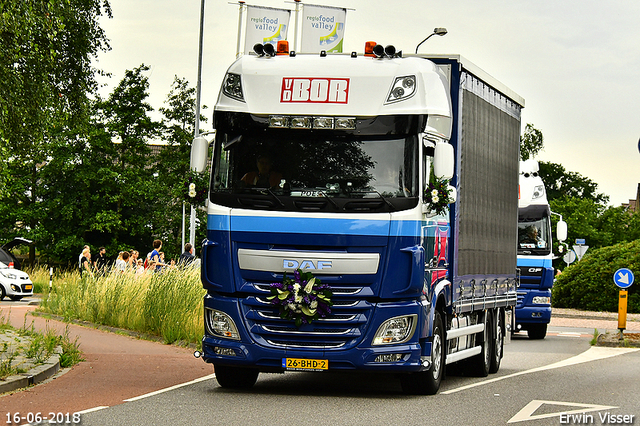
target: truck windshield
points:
(534, 236)
(315, 173)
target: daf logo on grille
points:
(535, 270)
(306, 264)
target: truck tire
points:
(235, 377)
(428, 382)
(479, 365)
(537, 331)
(497, 343)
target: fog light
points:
(224, 351)
(15, 288)
(541, 300)
(389, 358)
(395, 330)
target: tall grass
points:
(167, 304)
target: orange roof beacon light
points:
(368, 48)
(283, 47)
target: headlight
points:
(541, 300)
(10, 275)
(232, 86)
(538, 191)
(221, 325)
(395, 330)
(403, 88)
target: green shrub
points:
(588, 284)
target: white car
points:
(14, 283)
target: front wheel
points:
(3, 293)
(537, 331)
(235, 377)
(428, 382)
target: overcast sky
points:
(575, 62)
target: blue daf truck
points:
(362, 216)
(535, 253)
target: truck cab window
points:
(534, 236)
(314, 166)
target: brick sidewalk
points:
(602, 321)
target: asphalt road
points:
(515, 394)
(125, 381)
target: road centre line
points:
(201, 379)
(594, 353)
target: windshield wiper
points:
(326, 197)
(387, 202)
(274, 196)
(265, 191)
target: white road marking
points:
(201, 379)
(569, 334)
(89, 410)
(527, 412)
(592, 354)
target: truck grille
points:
(344, 327)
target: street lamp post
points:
(192, 223)
(436, 31)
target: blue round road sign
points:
(623, 278)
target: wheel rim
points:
(437, 355)
(499, 342)
(486, 343)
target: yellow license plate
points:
(28, 287)
(302, 364)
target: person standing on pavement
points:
(187, 257)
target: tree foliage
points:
(560, 183)
(46, 81)
(78, 169)
(531, 142)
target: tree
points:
(531, 142)
(173, 165)
(130, 187)
(46, 79)
(561, 183)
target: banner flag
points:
(322, 29)
(265, 25)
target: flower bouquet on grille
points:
(301, 299)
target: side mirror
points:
(443, 161)
(561, 230)
(199, 153)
